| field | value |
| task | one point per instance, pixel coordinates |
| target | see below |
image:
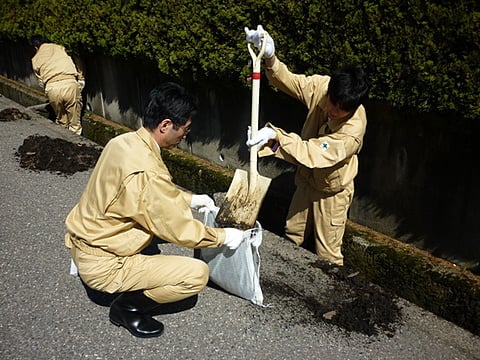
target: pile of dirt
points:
(369, 309)
(56, 155)
(353, 303)
(13, 114)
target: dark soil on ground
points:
(355, 305)
(352, 304)
(369, 309)
(13, 114)
(56, 155)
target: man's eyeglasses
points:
(186, 129)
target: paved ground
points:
(46, 313)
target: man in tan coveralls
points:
(325, 152)
(61, 80)
(129, 198)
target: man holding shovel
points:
(129, 198)
(325, 151)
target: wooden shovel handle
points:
(257, 61)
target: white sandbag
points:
(73, 268)
(236, 271)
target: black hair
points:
(348, 87)
(169, 101)
(38, 40)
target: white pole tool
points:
(247, 191)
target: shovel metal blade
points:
(242, 203)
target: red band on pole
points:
(256, 76)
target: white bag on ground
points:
(236, 271)
(73, 268)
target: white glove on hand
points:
(203, 201)
(213, 210)
(233, 238)
(255, 37)
(264, 135)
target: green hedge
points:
(419, 54)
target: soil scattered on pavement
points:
(369, 309)
(352, 303)
(56, 155)
(13, 114)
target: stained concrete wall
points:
(418, 172)
(419, 179)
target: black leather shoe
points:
(130, 311)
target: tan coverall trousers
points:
(325, 215)
(164, 278)
(66, 100)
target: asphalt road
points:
(46, 313)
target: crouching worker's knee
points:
(199, 276)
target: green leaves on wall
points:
(418, 54)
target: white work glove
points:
(264, 135)
(255, 37)
(233, 238)
(81, 84)
(202, 203)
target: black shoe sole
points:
(139, 335)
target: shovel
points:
(247, 190)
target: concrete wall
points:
(418, 172)
(418, 181)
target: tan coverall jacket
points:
(129, 198)
(58, 74)
(326, 155)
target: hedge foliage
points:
(419, 54)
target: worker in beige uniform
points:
(61, 80)
(325, 151)
(129, 199)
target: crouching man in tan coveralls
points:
(62, 82)
(325, 152)
(129, 198)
